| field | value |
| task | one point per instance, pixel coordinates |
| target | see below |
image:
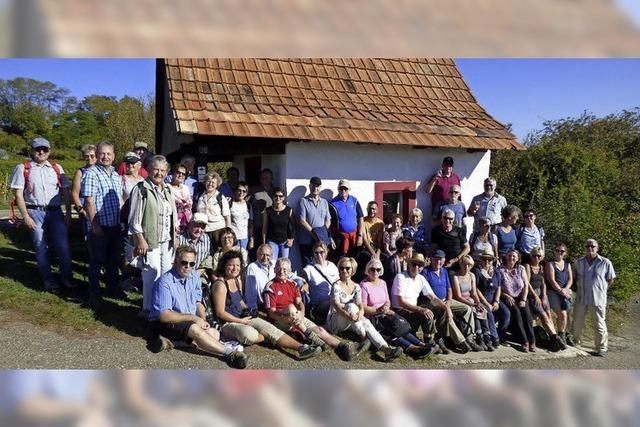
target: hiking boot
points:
(317, 341)
(487, 344)
(307, 351)
(237, 359)
(557, 344)
(161, 344)
(569, 340)
(344, 351)
(443, 348)
(392, 353)
(472, 345)
(428, 350)
(463, 348)
(480, 342)
(361, 347)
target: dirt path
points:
(29, 346)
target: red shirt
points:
(122, 170)
(441, 189)
(281, 294)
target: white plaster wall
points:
(275, 162)
(366, 164)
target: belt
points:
(43, 208)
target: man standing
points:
(439, 184)
(177, 312)
(488, 204)
(228, 188)
(102, 188)
(40, 188)
(594, 276)
(374, 226)
(349, 217)
(315, 220)
(450, 239)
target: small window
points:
(392, 204)
(395, 197)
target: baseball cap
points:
(447, 161)
(439, 254)
(315, 181)
(131, 157)
(344, 183)
(40, 142)
(199, 217)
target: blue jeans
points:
(104, 252)
(503, 316)
(50, 229)
(406, 341)
(280, 250)
(243, 243)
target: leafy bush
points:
(581, 176)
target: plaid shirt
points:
(105, 189)
(202, 246)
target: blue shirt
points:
(529, 238)
(506, 241)
(419, 236)
(348, 212)
(459, 210)
(439, 283)
(171, 292)
(316, 216)
(105, 187)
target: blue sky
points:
(524, 92)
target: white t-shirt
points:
(240, 216)
(409, 289)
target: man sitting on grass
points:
(178, 314)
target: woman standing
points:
(182, 196)
(238, 322)
(347, 311)
(242, 216)
(538, 303)
(463, 287)
(393, 233)
(514, 284)
(377, 308)
(505, 232)
(278, 225)
(483, 240)
(216, 206)
(132, 175)
(89, 156)
(559, 280)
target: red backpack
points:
(29, 187)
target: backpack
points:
(29, 187)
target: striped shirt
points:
(202, 246)
(172, 292)
(105, 186)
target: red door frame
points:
(408, 190)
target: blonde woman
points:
(559, 278)
(347, 313)
(215, 206)
(463, 286)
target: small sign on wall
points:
(202, 171)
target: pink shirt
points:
(512, 283)
(441, 189)
(374, 295)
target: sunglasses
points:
(446, 218)
(590, 246)
(278, 196)
(529, 215)
(241, 190)
(344, 268)
(318, 252)
(180, 173)
(43, 149)
(536, 256)
(377, 270)
(343, 189)
(188, 263)
(560, 251)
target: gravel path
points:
(29, 346)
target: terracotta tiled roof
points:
(419, 102)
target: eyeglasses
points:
(560, 251)
(180, 173)
(536, 256)
(319, 252)
(241, 190)
(278, 196)
(590, 246)
(448, 218)
(343, 189)
(529, 215)
(187, 263)
(344, 268)
(416, 265)
(376, 270)
(43, 149)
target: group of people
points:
(214, 261)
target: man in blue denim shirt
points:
(39, 202)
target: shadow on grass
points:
(17, 262)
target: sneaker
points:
(480, 342)
(443, 348)
(237, 359)
(463, 348)
(471, 344)
(161, 344)
(600, 353)
(487, 345)
(307, 351)
(392, 353)
(344, 351)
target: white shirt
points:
(409, 289)
(257, 277)
(44, 181)
(592, 281)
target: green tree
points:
(581, 176)
(132, 119)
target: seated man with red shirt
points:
(285, 309)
